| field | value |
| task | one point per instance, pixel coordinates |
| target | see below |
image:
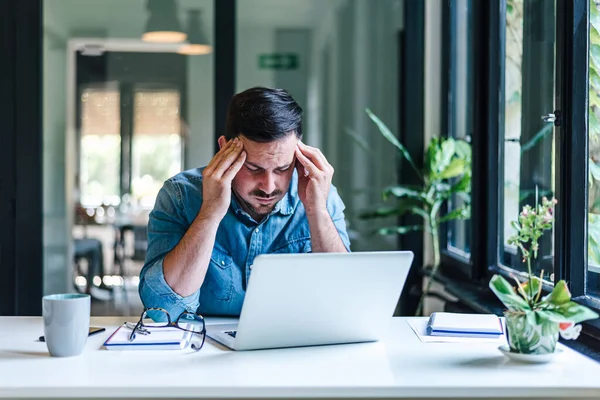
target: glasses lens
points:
(159, 317)
(191, 322)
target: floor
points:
(122, 301)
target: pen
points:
(141, 329)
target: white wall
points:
(252, 41)
(200, 137)
(361, 38)
(56, 221)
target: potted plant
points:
(533, 321)
(446, 173)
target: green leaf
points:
(360, 141)
(463, 149)
(466, 197)
(515, 225)
(507, 295)
(402, 191)
(594, 36)
(548, 322)
(595, 57)
(447, 153)
(535, 283)
(463, 184)
(594, 238)
(433, 157)
(383, 212)
(574, 312)
(399, 230)
(594, 16)
(456, 168)
(463, 212)
(393, 140)
(594, 77)
(594, 99)
(559, 295)
(594, 170)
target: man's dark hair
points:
(263, 115)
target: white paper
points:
(158, 335)
(419, 326)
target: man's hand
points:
(217, 177)
(314, 178)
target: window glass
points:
(100, 146)
(529, 142)
(461, 108)
(156, 150)
(593, 281)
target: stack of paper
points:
(464, 325)
(158, 339)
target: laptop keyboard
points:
(231, 333)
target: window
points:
(100, 146)
(593, 281)
(529, 141)
(157, 145)
(460, 108)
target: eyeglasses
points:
(187, 321)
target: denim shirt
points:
(238, 241)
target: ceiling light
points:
(197, 42)
(163, 24)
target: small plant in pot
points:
(533, 321)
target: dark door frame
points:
(21, 178)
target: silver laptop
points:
(316, 299)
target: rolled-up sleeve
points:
(336, 207)
(166, 226)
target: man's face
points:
(265, 177)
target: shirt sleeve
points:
(336, 208)
(166, 226)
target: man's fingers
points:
(235, 167)
(307, 163)
(221, 154)
(314, 155)
(228, 159)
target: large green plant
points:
(446, 175)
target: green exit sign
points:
(285, 61)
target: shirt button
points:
(256, 230)
(222, 262)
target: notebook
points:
(464, 325)
(158, 339)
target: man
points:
(264, 192)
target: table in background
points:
(400, 366)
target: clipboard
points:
(158, 339)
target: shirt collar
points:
(288, 203)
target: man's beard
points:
(264, 209)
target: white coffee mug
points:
(66, 323)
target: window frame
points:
(571, 99)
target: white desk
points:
(398, 367)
